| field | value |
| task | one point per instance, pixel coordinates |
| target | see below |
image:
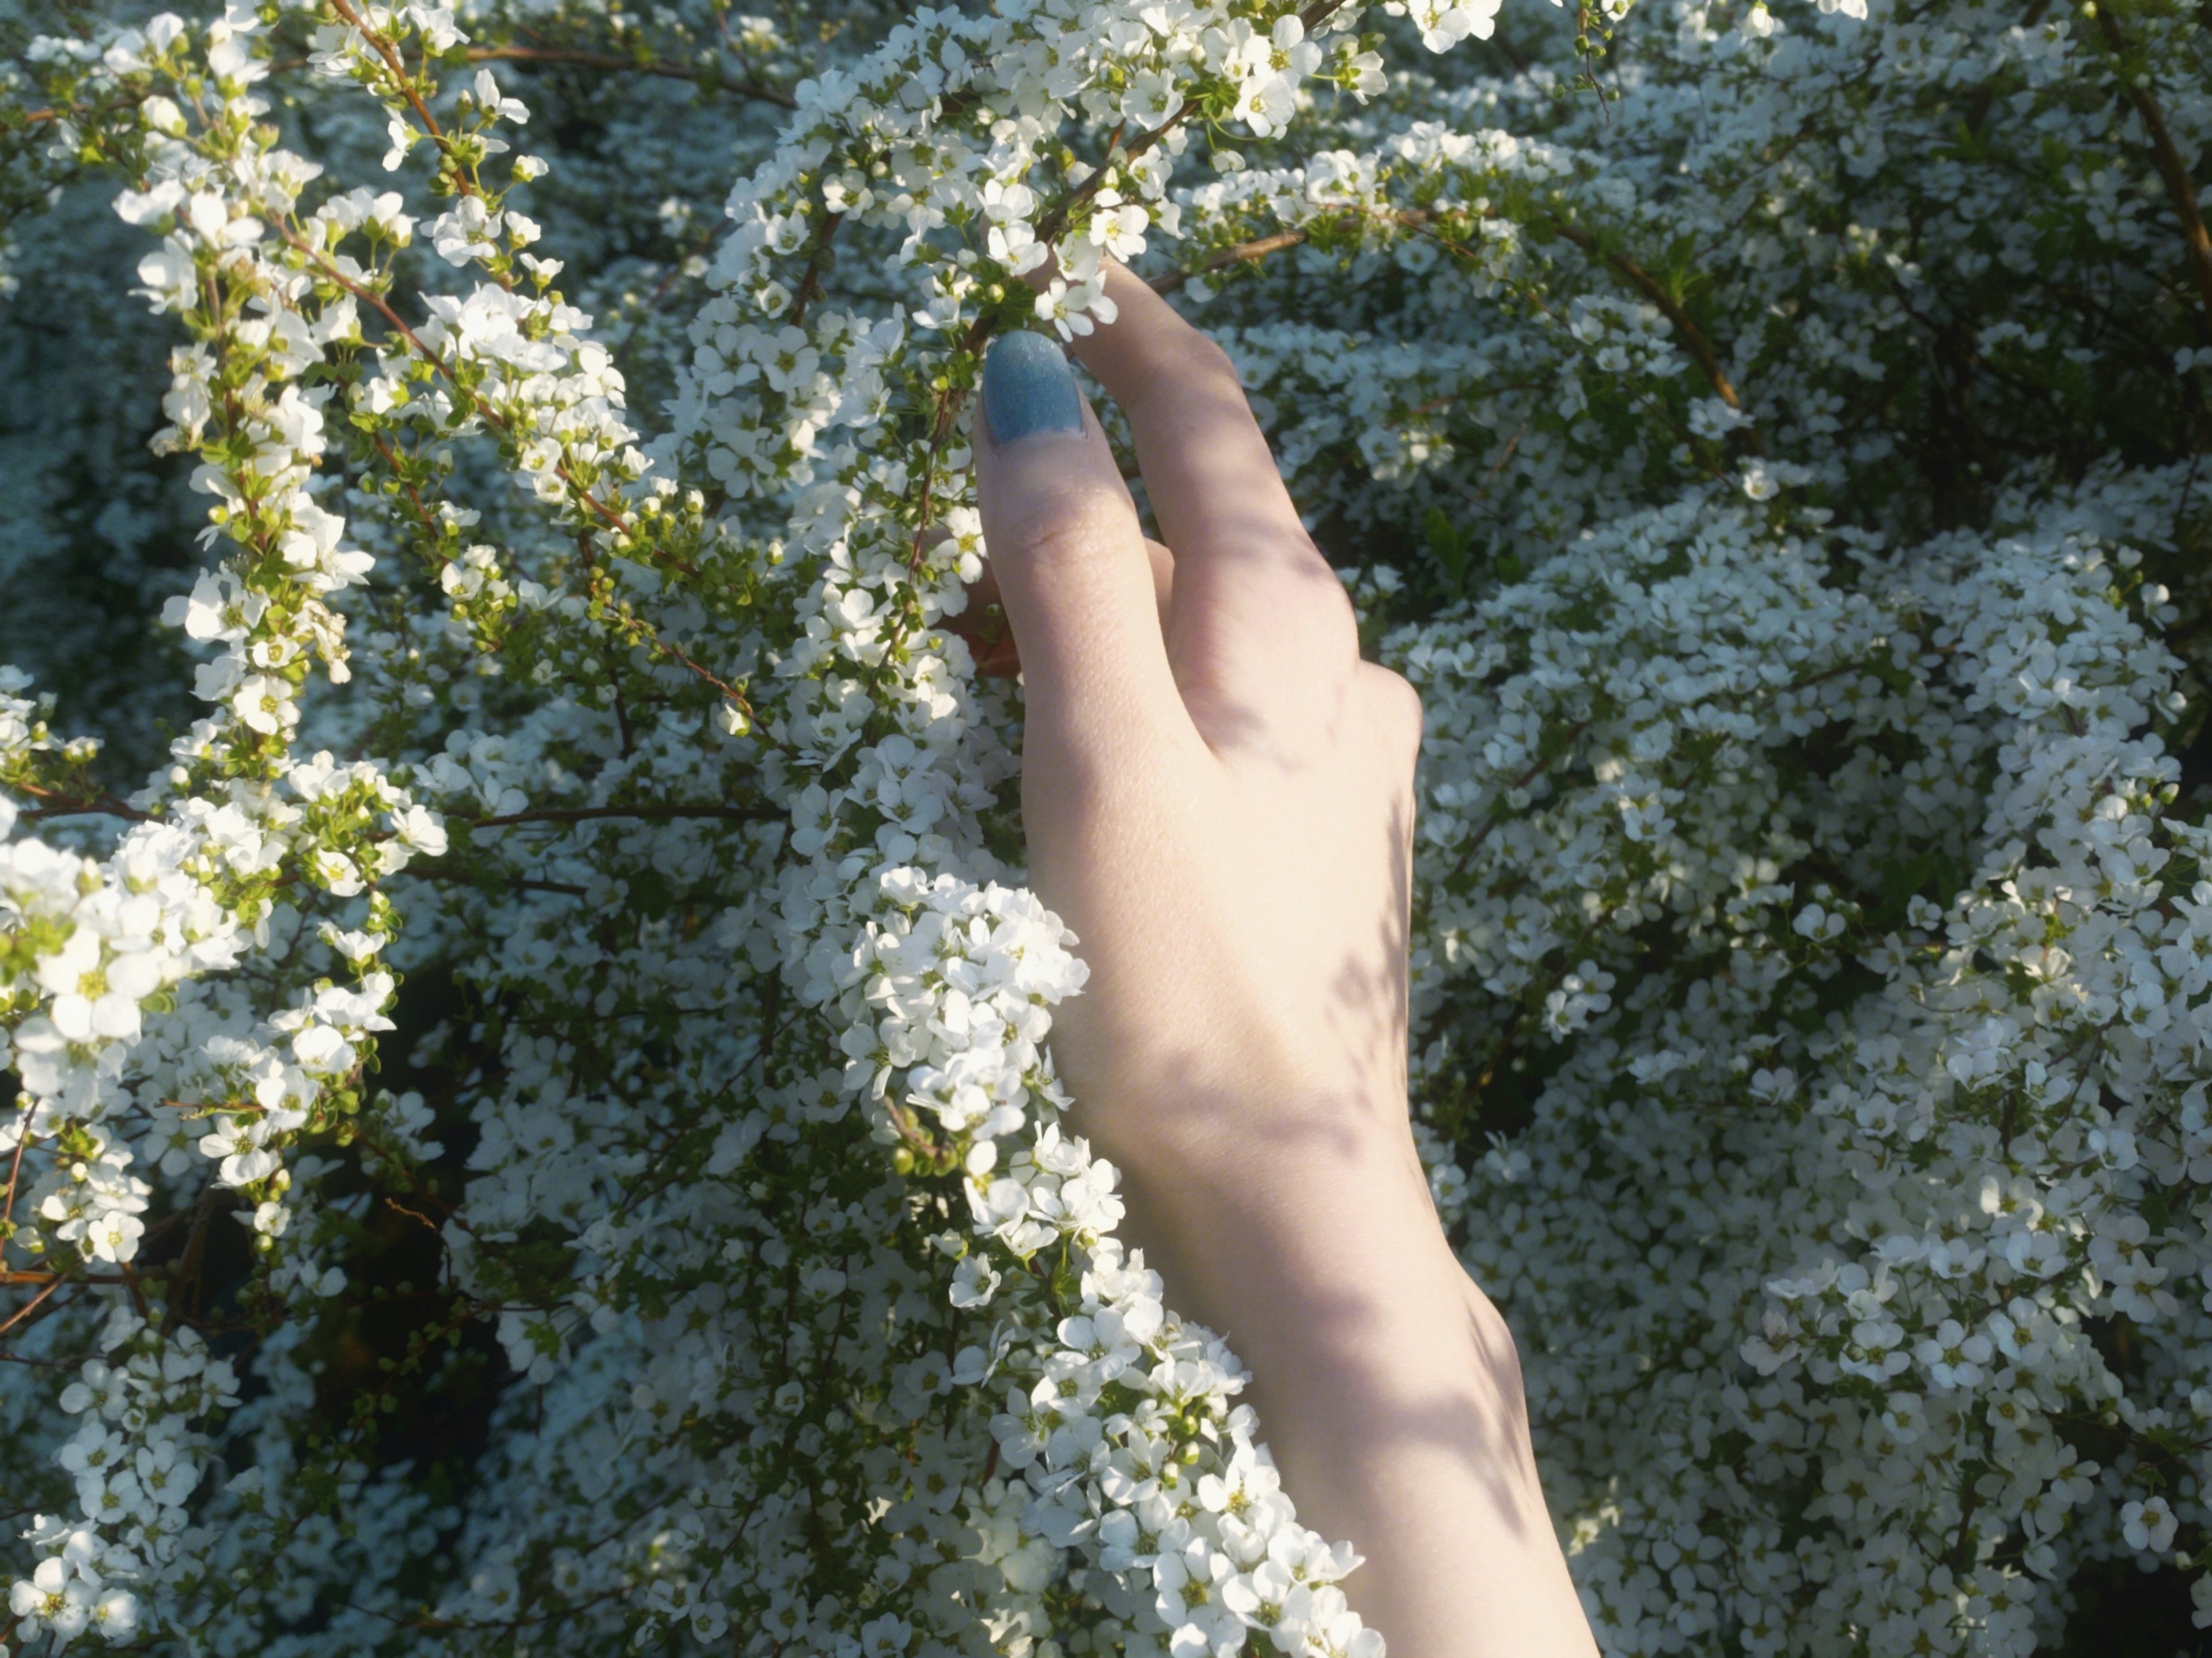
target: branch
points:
(31, 1306)
(1050, 226)
(389, 53)
(1537, 769)
(663, 67)
(392, 318)
(816, 259)
(1243, 253)
(436, 872)
(1645, 283)
(584, 814)
(1693, 337)
(951, 400)
(77, 805)
(2171, 168)
(15, 1172)
(382, 306)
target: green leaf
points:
(1450, 549)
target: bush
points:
(536, 1124)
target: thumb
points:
(1064, 541)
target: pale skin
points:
(1218, 794)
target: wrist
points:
(1254, 1209)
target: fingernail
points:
(1028, 388)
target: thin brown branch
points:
(2179, 187)
(586, 814)
(435, 873)
(1693, 337)
(662, 67)
(392, 320)
(383, 308)
(15, 1172)
(389, 53)
(74, 806)
(415, 1215)
(1243, 253)
(676, 270)
(31, 1306)
(1053, 221)
(1537, 769)
(951, 401)
(816, 259)
(185, 1284)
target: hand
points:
(1217, 795)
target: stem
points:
(434, 872)
(2171, 168)
(1053, 221)
(76, 805)
(383, 308)
(389, 53)
(1243, 253)
(31, 1306)
(815, 260)
(666, 69)
(1693, 337)
(583, 813)
(15, 1172)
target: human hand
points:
(1218, 796)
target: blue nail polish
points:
(1028, 388)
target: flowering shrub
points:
(536, 1125)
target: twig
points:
(389, 53)
(1542, 764)
(15, 1174)
(1243, 253)
(2171, 168)
(663, 67)
(953, 398)
(1050, 226)
(583, 814)
(383, 308)
(74, 806)
(815, 260)
(1693, 337)
(31, 1306)
(435, 873)
(186, 1282)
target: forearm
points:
(1388, 1386)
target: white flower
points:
(495, 106)
(2148, 1526)
(263, 702)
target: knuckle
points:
(1400, 704)
(1333, 617)
(1186, 359)
(1074, 527)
